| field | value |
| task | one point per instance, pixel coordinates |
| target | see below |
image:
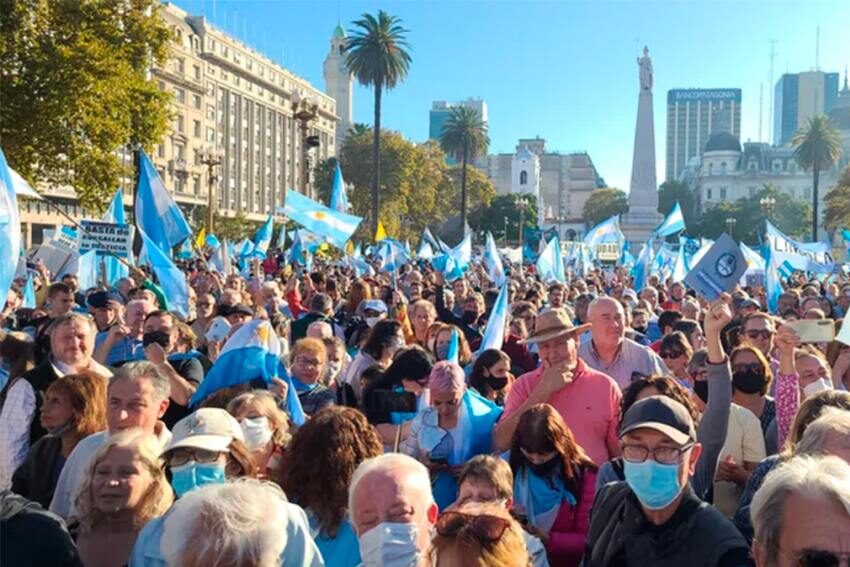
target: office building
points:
(441, 110)
(797, 96)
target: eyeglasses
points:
(819, 558)
(179, 457)
(308, 362)
(753, 366)
(204, 304)
(671, 353)
(663, 455)
(486, 529)
(756, 333)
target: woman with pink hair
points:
(454, 428)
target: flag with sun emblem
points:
(333, 226)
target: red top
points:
(569, 532)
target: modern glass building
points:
(797, 96)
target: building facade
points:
(693, 115)
(562, 183)
(230, 99)
(441, 110)
(797, 96)
(339, 84)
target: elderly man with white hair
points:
(801, 514)
(610, 352)
(246, 522)
(392, 510)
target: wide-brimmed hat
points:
(552, 324)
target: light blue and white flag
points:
(550, 264)
(392, 255)
(453, 352)
(281, 237)
(220, 259)
(641, 267)
(706, 245)
(262, 238)
(772, 284)
(425, 251)
(493, 262)
(87, 270)
(334, 226)
(115, 270)
(673, 223)
(211, 241)
(186, 252)
(10, 228)
(605, 232)
(845, 236)
(462, 253)
(787, 248)
(339, 201)
(429, 238)
(171, 279)
(494, 334)
(22, 188)
(156, 212)
(29, 294)
(680, 265)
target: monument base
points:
(638, 226)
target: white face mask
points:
(819, 385)
(257, 432)
(332, 370)
(390, 544)
(372, 321)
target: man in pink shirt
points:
(588, 400)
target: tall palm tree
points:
(464, 137)
(377, 54)
(817, 146)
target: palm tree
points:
(358, 128)
(816, 146)
(377, 55)
(464, 137)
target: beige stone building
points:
(229, 98)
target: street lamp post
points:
(305, 110)
(506, 232)
(767, 205)
(730, 225)
(212, 159)
(522, 203)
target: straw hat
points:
(552, 324)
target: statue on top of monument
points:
(645, 64)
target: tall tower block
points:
(339, 84)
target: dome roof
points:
(723, 142)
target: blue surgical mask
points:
(656, 485)
(390, 544)
(192, 475)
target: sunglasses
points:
(819, 558)
(756, 333)
(486, 529)
(671, 354)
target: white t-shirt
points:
(744, 442)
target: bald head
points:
(608, 320)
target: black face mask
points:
(158, 337)
(469, 317)
(545, 469)
(701, 390)
(749, 382)
(497, 383)
(641, 330)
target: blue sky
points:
(565, 71)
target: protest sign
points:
(107, 238)
(59, 247)
(719, 269)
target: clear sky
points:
(565, 71)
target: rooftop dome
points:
(723, 142)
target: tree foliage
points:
(492, 217)
(418, 188)
(791, 215)
(237, 227)
(74, 87)
(817, 146)
(464, 137)
(672, 191)
(836, 212)
(603, 204)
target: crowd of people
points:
(612, 427)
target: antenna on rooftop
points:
(771, 88)
(817, 49)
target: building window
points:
(196, 69)
(179, 124)
(792, 167)
(708, 194)
(160, 150)
(752, 165)
(711, 168)
(722, 168)
(777, 165)
(180, 95)
(723, 193)
(196, 185)
(523, 177)
(196, 101)
(196, 128)
(210, 134)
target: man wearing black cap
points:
(654, 517)
(107, 308)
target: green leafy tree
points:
(464, 137)
(237, 227)
(790, 215)
(603, 204)
(491, 217)
(714, 219)
(378, 56)
(817, 146)
(836, 214)
(672, 191)
(74, 87)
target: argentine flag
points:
(10, 228)
(115, 270)
(550, 264)
(334, 226)
(220, 259)
(339, 201)
(156, 212)
(494, 334)
(606, 231)
(641, 266)
(251, 353)
(263, 238)
(675, 222)
(171, 279)
(493, 262)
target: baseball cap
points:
(101, 299)
(373, 305)
(663, 414)
(211, 429)
(239, 309)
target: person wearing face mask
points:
(751, 378)
(392, 511)
(306, 366)
(442, 338)
(207, 447)
(74, 407)
(265, 427)
(553, 483)
(338, 361)
(456, 426)
(472, 304)
(654, 518)
(491, 376)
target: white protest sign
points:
(107, 238)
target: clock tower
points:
(339, 84)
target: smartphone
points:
(814, 330)
(218, 330)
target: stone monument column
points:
(643, 216)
